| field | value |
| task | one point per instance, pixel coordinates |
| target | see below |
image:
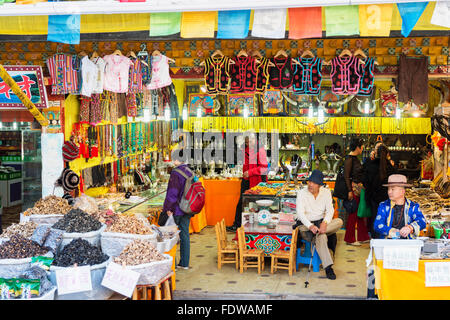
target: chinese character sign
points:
(30, 80)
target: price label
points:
(401, 258)
(120, 279)
(437, 274)
(72, 280)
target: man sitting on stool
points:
(315, 212)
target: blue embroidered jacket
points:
(413, 217)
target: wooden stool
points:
(159, 291)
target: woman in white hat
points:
(398, 217)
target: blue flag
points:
(64, 29)
(410, 13)
(233, 24)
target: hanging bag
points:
(364, 211)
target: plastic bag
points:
(40, 234)
(54, 239)
(36, 272)
(86, 203)
(113, 243)
(170, 221)
(364, 210)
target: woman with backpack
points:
(353, 179)
(175, 190)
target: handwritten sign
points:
(401, 258)
(72, 280)
(437, 274)
(120, 279)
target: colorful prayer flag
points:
(342, 20)
(233, 24)
(164, 23)
(441, 14)
(410, 13)
(375, 20)
(64, 29)
(269, 23)
(198, 24)
(305, 23)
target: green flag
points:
(164, 23)
(342, 20)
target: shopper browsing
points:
(398, 217)
(254, 172)
(315, 212)
(171, 206)
(353, 179)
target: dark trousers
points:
(245, 185)
(185, 246)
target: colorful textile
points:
(367, 77)
(342, 20)
(262, 74)
(164, 23)
(198, 24)
(307, 76)
(116, 73)
(281, 75)
(345, 75)
(305, 23)
(135, 77)
(64, 28)
(410, 13)
(243, 75)
(233, 24)
(217, 74)
(89, 74)
(269, 23)
(99, 78)
(64, 76)
(375, 20)
(160, 73)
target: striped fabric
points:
(64, 76)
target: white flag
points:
(269, 23)
(441, 14)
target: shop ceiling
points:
(114, 7)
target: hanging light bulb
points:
(416, 114)
(185, 112)
(398, 113)
(366, 107)
(15, 125)
(167, 113)
(203, 89)
(320, 115)
(199, 112)
(310, 112)
(246, 111)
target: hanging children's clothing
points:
(85, 106)
(217, 74)
(262, 75)
(100, 74)
(307, 76)
(131, 105)
(89, 74)
(122, 105)
(64, 76)
(367, 77)
(116, 73)
(160, 73)
(95, 113)
(243, 75)
(280, 76)
(135, 77)
(113, 107)
(413, 79)
(345, 75)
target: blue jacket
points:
(413, 217)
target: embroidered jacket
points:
(307, 76)
(281, 75)
(367, 78)
(64, 75)
(262, 75)
(217, 74)
(243, 75)
(385, 217)
(345, 75)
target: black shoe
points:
(330, 273)
(231, 229)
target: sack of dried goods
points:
(47, 210)
(123, 230)
(143, 257)
(25, 229)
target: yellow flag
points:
(198, 24)
(375, 20)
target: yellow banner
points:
(375, 20)
(337, 125)
(198, 24)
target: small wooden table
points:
(159, 291)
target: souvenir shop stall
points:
(306, 83)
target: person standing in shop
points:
(353, 179)
(375, 174)
(254, 171)
(171, 206)
(315, 214)
(398, 217)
